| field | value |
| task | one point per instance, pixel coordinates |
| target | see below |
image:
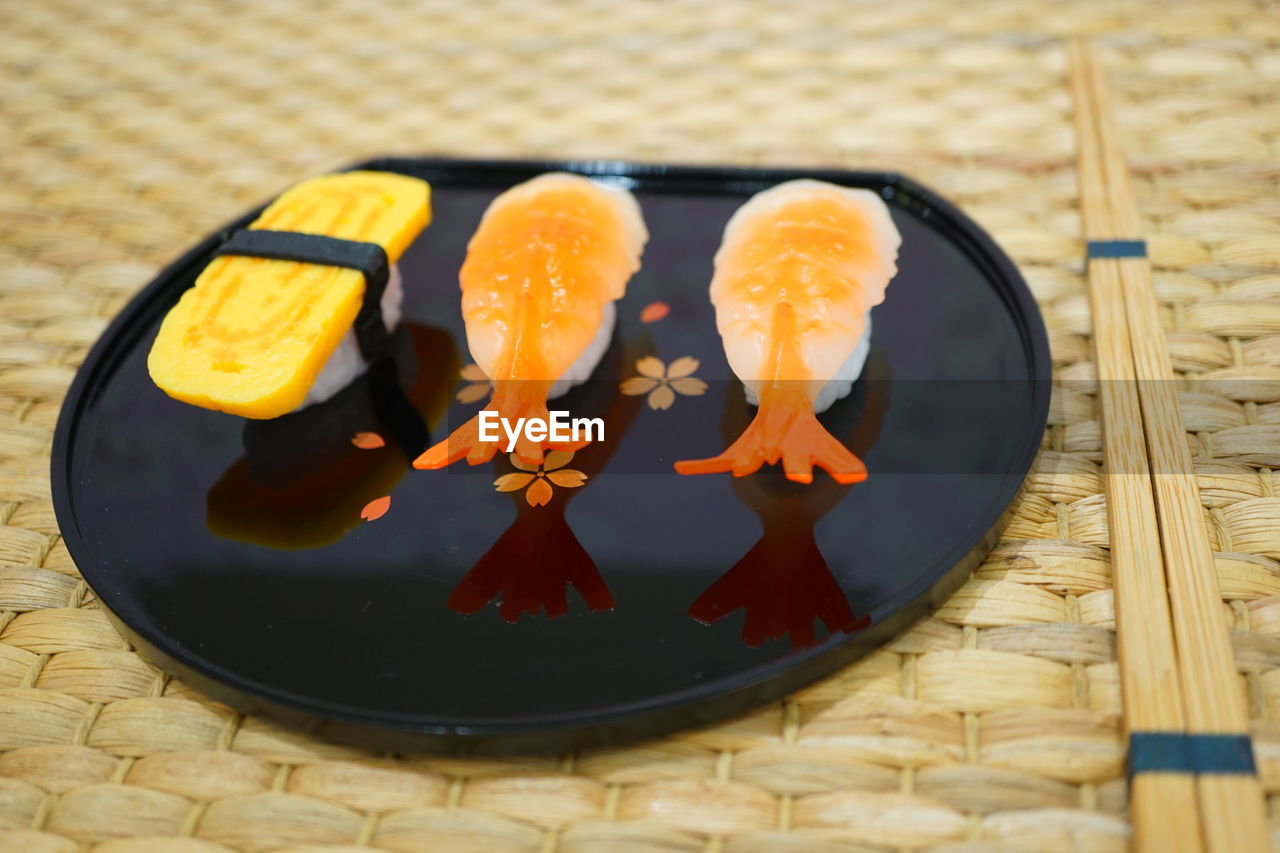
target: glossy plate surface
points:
(233, 553)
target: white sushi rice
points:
(346, 362)
(580, 370)
(839, 386)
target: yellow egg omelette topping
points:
(251, 335)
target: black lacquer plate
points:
(466, 620)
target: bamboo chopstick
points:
(1232, 810)
(1164, 810)
(1230, 802)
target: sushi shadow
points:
(302, 482)
(531, 565)
(783, 582)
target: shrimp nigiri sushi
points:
(797, 273)
(549, 259)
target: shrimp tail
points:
(463, 442)
(513, 401)
(785, 429)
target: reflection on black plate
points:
(783, 583)
(495, 608)
(302, 482)
(533, 562)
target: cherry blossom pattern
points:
(479, 385)
(539, 478)
(662, 382)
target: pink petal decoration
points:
(376, 508)
(368, 440)
(654, 311)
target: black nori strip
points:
(369, 258)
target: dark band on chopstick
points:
(370, 259)
(1116, 249)
(1183, 752)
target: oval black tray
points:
(232, 553)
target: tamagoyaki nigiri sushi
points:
(287, 315)
(797, 273)
(549, 259)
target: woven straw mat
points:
(130, 130)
